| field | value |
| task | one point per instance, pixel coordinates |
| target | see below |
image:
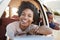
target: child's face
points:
(26, 17)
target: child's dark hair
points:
(26, 4)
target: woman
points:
(28, 18)
(52, 24)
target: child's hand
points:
(31, 32)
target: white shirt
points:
(13, 29)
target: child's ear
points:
(32, 21)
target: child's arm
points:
(43, 30)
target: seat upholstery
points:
(3, 23)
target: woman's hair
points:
(26, 4)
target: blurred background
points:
(10, 14)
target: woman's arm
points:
(54, 25)
(57, 26)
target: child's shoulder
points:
(13, 24)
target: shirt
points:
(52, 25)
(13, 29)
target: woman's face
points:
(26, 17)
(50, 16)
